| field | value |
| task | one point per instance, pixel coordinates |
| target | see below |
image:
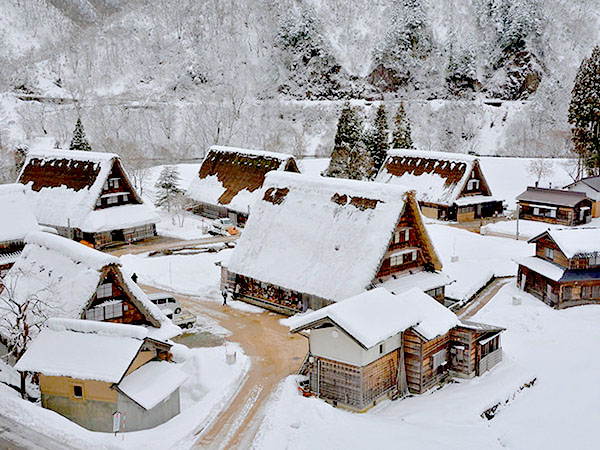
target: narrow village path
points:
(482, 299)
(16, 436)
(167, 244)
(274, 355)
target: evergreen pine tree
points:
(377, 142)
(350, 158)
(167, 188)
(401, 137)
(584, 112)
(79, 141)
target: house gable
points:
(116, 189)
(403, 255)
(475, 183)
(114, 302)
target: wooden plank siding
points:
(433, 376)
(559, 257)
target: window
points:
(380, 349)
(586, 292)
(125, 197)
(112, 200)
(396, 260)
(472, 185)
(410, 256)
(439, 359)
(113, 183)
(549, 253)
(105, 311)
(536, 211)
(96, 313)
(78, 391)
(113, 310)
(594, 260)
(567, 293)
(402, 236)
(104, 290)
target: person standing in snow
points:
(224, 294)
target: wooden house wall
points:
(413, 350)
(559, 257)
(123, 187)
(433, 376)
(564, 215)
(464, 367)
(379, 377)
(476, 174)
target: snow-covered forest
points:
(168, 78)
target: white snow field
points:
(559, 411)
(210, 385)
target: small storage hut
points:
(230, 180)
(377, 345)
(86, 196)
(312, 241)
(448, 186)
(89, 370)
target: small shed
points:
(448, 186)
(89, 370)
(16, 221)
(378, 345)
(230, 180)
(314, 241)
(591, 187)
(555, 206)
(86, 196)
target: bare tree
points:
(180, 207)
(540, 168)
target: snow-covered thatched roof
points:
(64, 275)
(376, 315)
(321, 236)
(232, 177)
(66, 184)
(437, 177)
(17, 217)
(83, 349)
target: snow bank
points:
(527, 228)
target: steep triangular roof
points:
(65, 274)
(321, 236)
(66, 184)
(232, 177)
(437, 177)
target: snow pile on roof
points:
(66, 184)
(321, 236)
(576, 242)
(17, 213)
(423, 280)
(232, 177)
(152, 383)
(64, 274)
(543, 267)
(376, 315)
(437, 177)
(90, 351)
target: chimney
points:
(536, 184)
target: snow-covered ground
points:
(210, 385)
(479, 258)
(527, 228)
(559, 411)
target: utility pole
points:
(518, 214)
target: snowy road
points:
(275, 354)
(15, 436)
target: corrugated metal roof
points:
(593, 182)
(552, 196)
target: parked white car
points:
(224, 227)
(164, 300)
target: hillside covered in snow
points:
(173, 77)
